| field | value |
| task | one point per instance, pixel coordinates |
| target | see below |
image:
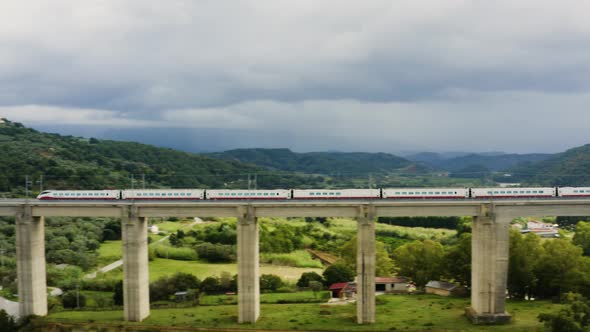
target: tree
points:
(7, 322)
(307, 277)
(573, 318)
(524, 256)
(210, 284)
(582, 236)
(383, 264)
(457, 260)
(73, 299)
(270, 282)
(420, 260)
(118, 295)
(337, 273)
(558, 268)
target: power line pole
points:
(28, 186)
(40, 183)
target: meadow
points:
(394, 312)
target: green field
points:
(302, 297)
(161, 267)
(401, 313)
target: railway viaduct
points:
(489, 245)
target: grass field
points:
(305, 296)
(110, 251)
(161, 267)
(397, 313)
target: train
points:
(315, 194)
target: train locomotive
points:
(315, 194)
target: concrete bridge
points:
(489, 245)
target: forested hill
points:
(495, 162)
(79, 163)
(569, 168)
(344, 163)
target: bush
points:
(306, 277)
(71, 299)
(180, 254)
(163, 288)
(299, 258)
(217, 253)
(211, 285)
(270, 282)
(338, 273)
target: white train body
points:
(574, 191)
(425, 193)
(99, 195)
(237, 194)
(164, 194)
(513, 192)
(336, 193)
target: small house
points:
(443, 288)
(154, 229)
(337, 289)
(181, 296)
(391, 284)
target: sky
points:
(327, 75)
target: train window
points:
(423, 193)
(430, 193)
(337, 194)
(182, 194)
(325, 194)
(265, 194)
(233, 194)
(175, 194)
(437, 192)
(311, 194)
(404, 192)
(189, 194)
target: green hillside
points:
(569, 168)
(80, 163)
(348, 164)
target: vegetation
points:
(569, 168)
(335, 163)
(67, 162)
(394, 313)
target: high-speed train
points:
(314, 194)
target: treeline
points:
(426, 222)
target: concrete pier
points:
(489, 269)
(30, 263)
(365, 268)
(248, 269)
(136, 292)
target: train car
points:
(573, 192)
(513, 192)
(67, 195)
(245, 194)
(163, 194)
(425, 193)
(336, 193)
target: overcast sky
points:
(311, 75)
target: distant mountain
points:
(82, 163)
(569, 168)
(344, 163)
(492, 161)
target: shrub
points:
(338, 273)
(216, 253)
(307, 277)
(270, 282)
(180, 254)
(71, 299)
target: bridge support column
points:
(136, 292)
(489, 270)
(248, 269)
(365, 268)
(30, 263)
